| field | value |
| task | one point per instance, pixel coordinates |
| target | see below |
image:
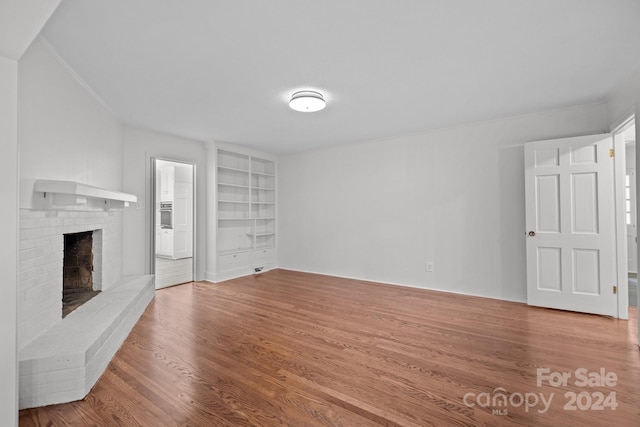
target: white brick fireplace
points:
(41, 243)
(60, 359)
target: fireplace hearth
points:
(61, 359)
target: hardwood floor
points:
(294, 349)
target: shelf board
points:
(233, 185)
(263, 174)
(234, 219)
(263, 203)
(228, 168)
(261, 234)
(233, 251)
(263, 188)
(268, 218)
(234, 201)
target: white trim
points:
(621, 124)
(235, 274)
(426, 288)
(151, 262)
(150, 217)
(619, 171)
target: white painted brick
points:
(37, 271)
(41, 254)
(51, 382)
(33, 252)
(32, 214)
(44, 292)
(42, 263)
(52, 242)
(26, 223)
(48, 275)
(29, 243)
(29, 234)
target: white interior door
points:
(570, 224)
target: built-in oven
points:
(166, 215)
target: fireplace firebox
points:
(77, 280)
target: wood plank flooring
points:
(294, 349)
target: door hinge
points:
(611, 152)
(615, 289)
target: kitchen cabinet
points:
(176, 191)
(167, 180)
(164, 242)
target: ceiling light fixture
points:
(307, 101)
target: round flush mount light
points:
(307, 101)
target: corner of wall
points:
(9, 249)
(623, 101)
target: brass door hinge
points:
(611, 152)
(615, 289)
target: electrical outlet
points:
(428, 267)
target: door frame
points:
(151, 217)
(620, 170)
(632, 200)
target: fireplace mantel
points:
(80, 192)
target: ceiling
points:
(215, 70)
(20, 24)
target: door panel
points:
(550, 269)
(548, 200)
(570, 224)
(586, 275)
(584, 191)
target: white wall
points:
(9, 247)
(66, 132)
(380, 210)
(18, 27)
(139, 147)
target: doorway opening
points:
(173, 222)
(626, 134)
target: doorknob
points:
(532, 233)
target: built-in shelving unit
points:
(246, 213)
